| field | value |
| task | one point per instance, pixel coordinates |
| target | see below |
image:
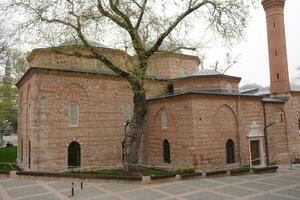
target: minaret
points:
(279, 75)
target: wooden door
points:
(255, 155)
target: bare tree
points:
(140, 24)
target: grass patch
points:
(185, 171)
(7, 155)
(115, 172)
(120, 172)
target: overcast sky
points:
(253, 63)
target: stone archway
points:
(74, 155)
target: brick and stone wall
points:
(100, 132)
(215, 119)
(206, 82)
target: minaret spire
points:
(279, 76)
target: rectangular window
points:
(164, 120)
(126, 112)
(73, 114)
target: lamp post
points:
(266, 142)
(125, 166)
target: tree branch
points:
(175, 23)
(121, 14)
(143, 7)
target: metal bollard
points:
(81, 185)
(72, 191)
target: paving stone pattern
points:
(283, 185)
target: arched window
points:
(73, 114)
(74, 155)
(166, 151)
(164, 120)
(229, 88)
(230, 155)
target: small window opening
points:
(277, 76)
(170, 88)
(73, 114)
(281, 117)
(274, 24)
(276, 53)
(126, 112)
(299, 125)
(164, 120)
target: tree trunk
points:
(136, 127)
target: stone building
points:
(72, 111)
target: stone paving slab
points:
(294, 179)
(107, 198)
(87, 193)
(206, 196)
(250, 177)
(64, 185)
(144, 194)
(228, 180)
(32, 190)
(290, 193)
(10, 183)
(258, 186)
(277, 181)
(202, 183)
(115, 187)
(235, 191)
(271, 197)
(42, 197)
(175, 189)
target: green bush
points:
(7, 155)
(154, 172)
(185, 171)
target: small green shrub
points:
(185, 171)
(154, 172)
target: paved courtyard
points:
(283, 185)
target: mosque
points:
(72, 111)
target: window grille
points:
(73, 114)
(164, 120)
(126, 112)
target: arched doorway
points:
(230, 155)
(166, 151)
(74, 155)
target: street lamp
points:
(266, 141)
(125, 166)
